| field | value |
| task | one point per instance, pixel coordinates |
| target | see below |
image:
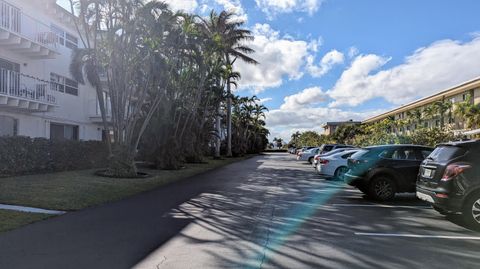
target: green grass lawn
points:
(75, 190)
(10, 220)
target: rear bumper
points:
(322, 171)
(450, 204)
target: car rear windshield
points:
(445, 153)
(359, 153)
(327, 148)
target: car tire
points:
(471, 211)
(340, 173)
(382, 188)
(310, 160)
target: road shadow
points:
(265, 212)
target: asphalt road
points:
(266, 212)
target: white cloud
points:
(352, 52)
(328, 61)
(265, 100)
(305, 98)
(315, 44)
(428, 70)
(184, 5)
(273, 7)
(234, 6)
(277, 57)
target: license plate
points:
(425, 197)
(427, 173)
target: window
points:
(64, 38)
(71, 86)
(60, 34)
(347, 155)
(63, 132)
(71, 42)
(399, 154)
(425, 153)
(465, 96)
(63, 84)
(57, 82)
(4, 64)
(8, 126)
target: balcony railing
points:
(14, 20)
(15, 84)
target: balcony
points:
(25, 35)
(23, 92)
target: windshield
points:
(359, 153)
(445, 153)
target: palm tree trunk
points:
(229, 119)
(218, 139)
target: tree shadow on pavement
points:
(265, 212)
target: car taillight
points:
(454, 170)
(323, 161)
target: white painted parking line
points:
(385, 206)
(31, 209)
(421, 236)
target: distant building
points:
(469, 90)
(331, 127)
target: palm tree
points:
(295, 136)
(131, 49)
(468, 111)
(85, 64)
(440, 108)
(429, 112)
(226, 34)
(414, 116)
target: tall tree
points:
(226, 33)
(131, 43)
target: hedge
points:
(23, 155)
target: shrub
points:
(24, 155)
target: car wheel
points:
(310, 160)
(471, 211)
(382, 188)
(340, 173)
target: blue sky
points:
(328, 60)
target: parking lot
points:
(266, 212)
(348, 231)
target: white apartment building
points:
(38, 97)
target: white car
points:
(308, 155)
(335, 165)
(335, 151)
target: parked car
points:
(334, 165)
(318, 156)
(298, 150)
(382, 171)
(329, 147)
(449, 179)
(308, 155)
